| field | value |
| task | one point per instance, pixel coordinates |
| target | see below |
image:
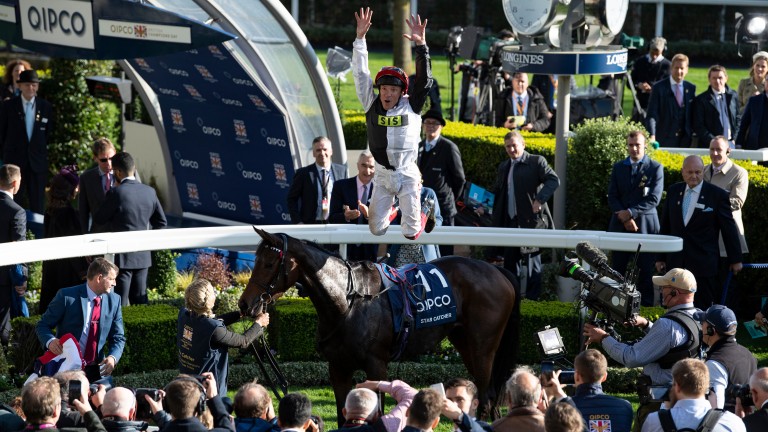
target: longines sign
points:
(593, 62)
(59, 22)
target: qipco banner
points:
(227, 140)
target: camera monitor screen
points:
(477, 196)
(551, 342)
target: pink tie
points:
(108, 183)
(92, 343)
(678, 95)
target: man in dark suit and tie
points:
(309, 198)
(441, 169)
(349, 204)
(633, 194)
(669, 108)
(524, 184)
(92, 314)
(13, 227)
(95, 182)
(758, 385)
(698, 212)
(131, 206)
(716, 111)
(26, 122)
(751, 136)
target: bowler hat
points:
(434, 114)
(28, 76)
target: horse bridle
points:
(266, 297)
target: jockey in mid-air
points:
(393, 120)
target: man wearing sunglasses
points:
(95, 182)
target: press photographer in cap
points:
(728, 362)
(674, 336)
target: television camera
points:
(605, 292)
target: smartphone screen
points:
(438, 388)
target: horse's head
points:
(273, 273)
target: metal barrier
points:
(244, 237)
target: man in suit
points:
(92, 314)
(758, 386)
(309, 198)
(349, 204)
(441, 169)
(633, 195)
(669, 108)
(95, 182)
(716, 111)
(13, 221)
(524, 184)
(647, 71)
(26, 122)
(523, 107)
(751, 136)
(698, 212)
(131, 206)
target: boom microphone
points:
(597, 259)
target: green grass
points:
(441, 72)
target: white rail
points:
(244, 236)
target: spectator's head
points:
(718, 322)
(506, 34)
(719, 150)
(366, 167)
(690, 380)
(591, 367)
(10, 178)
(717, 76)
(322, 151)
(636, 145)
(41, 401)
(676, 287)
(64, 377)
(679, 68)
(252, 401)
(563, 417)
(28, 83)
(425, 409)
(64, 187)
(759, 66)
(656, 47)
(184, 397)
(523, 388)
(199, 297)
(13, 69)
(103, 152)
(101, 276)
(123, 165)
(463, 393)
(432, 122)
(393, 84)
(520, 82)
(693, 170)
(361, 404)
(120, 403)
(294, 412)
(514, 144)
(758, 386)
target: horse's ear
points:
(265, 236)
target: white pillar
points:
(660, 18)
(295, 10)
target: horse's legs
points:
(477, 351)
(341, 381)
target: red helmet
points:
(392, 75)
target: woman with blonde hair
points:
(753, 85)
(202, 337)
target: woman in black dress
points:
(61, 220)
(13, 68)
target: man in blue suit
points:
(751, 136)
(131, 206)
(633, 195)
(13, 227)
(309, 198)
(716, 111)
(669, 108)
(698, 212)
(72, 311)
(349, 204)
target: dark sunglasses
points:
(103, 160)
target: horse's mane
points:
(322, 248)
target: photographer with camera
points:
(254, 410)
(729, 363)
(41, 403)
(757, 421)
(674, 336)
(118, 412)
(597, 408)
(186, 398)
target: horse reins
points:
(266, 297)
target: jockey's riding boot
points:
(393, 212)
(430, 223)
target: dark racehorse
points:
(355, 330)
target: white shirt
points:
(688, 413)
